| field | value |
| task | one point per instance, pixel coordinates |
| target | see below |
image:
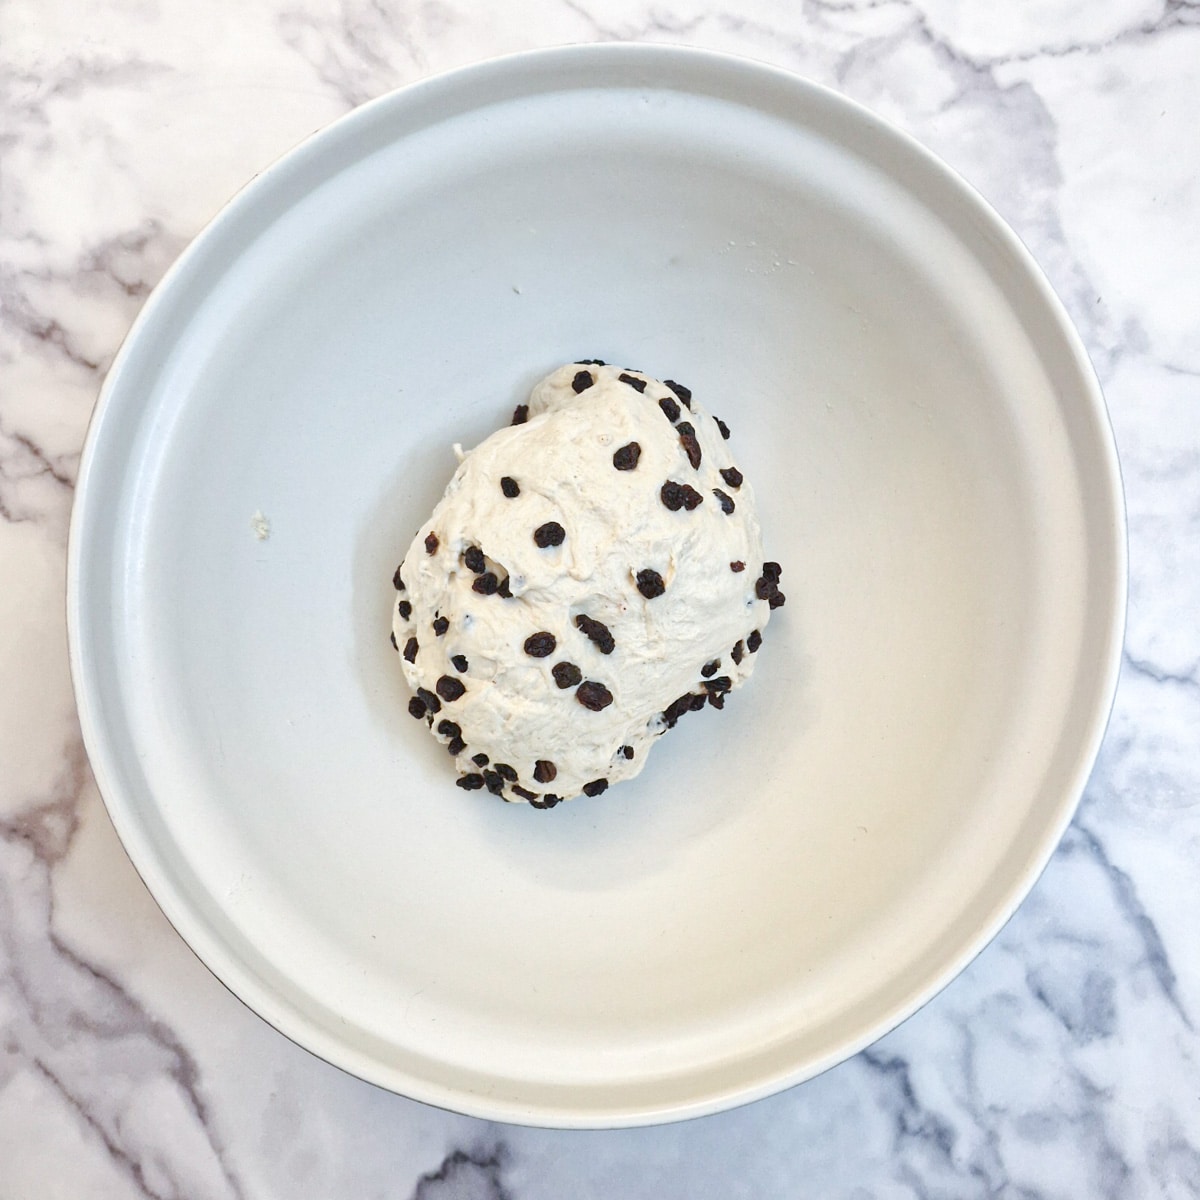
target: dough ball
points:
(592, 573)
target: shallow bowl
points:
(788, 879)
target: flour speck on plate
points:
(260, 526)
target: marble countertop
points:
(1063, 1063)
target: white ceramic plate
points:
(788, 879)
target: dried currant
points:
(593, 695)
(650, 583)
(540, 645)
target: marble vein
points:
(466, 1175)
(1186, 679)
(1132, 909)
(72, 1015)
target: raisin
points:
(416, 707)
(738, 652)
(431, 543)
(591, 362)
(404, 609)
(685, 394)
(593, 695)
(540, 645)
(473, 557)
(449, 728)
(431, 701)
(547, 801)
(493, 783)
(504, 589)
(410, 650)
(450, 688)
(772, 571)
(679, 495)
(596, 632)
(397, 581)
(650, 583)
(670, 409)
(486, 584)
(696, 701)
(722, 683)
(566, 674)
(626, 458)
(582, 381)
(765, 588)
(480, 759)
(510, 487)
(520, 414)
(392, 638)
(737, 567)
(710, 668)
(596, 788)
(506, 772)
(726, 501)
(627, 751)
(777, 601)
(687, 439)
(456, 746)
(676, 709)
(544, 771)
(638, 385)
(732, 476)
(460, 662)
(440, 625)
(753, 642)
(722, 427)
(550, 534)
(470, 783)
(717, 699)
(524, 793)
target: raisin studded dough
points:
(593, 572)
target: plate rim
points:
(223, 963)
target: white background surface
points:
(1063, 1063)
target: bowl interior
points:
(787, 878)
